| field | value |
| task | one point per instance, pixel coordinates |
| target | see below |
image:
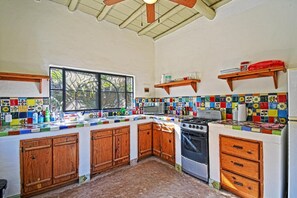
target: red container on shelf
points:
(266, 64)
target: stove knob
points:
(184, 125)
(197, 127)
(201, 127)
(190, 126)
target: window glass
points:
(82, 88)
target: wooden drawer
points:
(121, 130)
(101, 133)
(36, 143)
(240, 148)
(147, 126)
(65, 139)
(241, 166)
(157, 127)
(239, 185)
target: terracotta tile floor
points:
(149, 178)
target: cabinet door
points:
(144, 143)
(157, 141)
(168, 147)
(65, 158)
(101, 150)
(36, 164)
(121, 146)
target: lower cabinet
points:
(145, 140)
(109, 148)
(241, 163)
(48, 162)
(163, 141)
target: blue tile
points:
(212, 105)
(272, 105)
(25, 131)
(30, 114)
(23, 115)
(228, 105)
(245, 128)
(93, 124)
(283, 113)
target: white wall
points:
(34, 35)
(253, 30)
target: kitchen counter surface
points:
(258, 127)
(55, 126)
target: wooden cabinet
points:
(157, 133)
(121, 142)
(48, 162)
(101, 150)
(109, 148)
(164, 142)
(36, 166)
(145, 140)
(241, 166)
(65, 158)
(168, 147)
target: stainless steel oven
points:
(195, 153)
(194, 143)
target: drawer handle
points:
(250, 152)
(148, 133)
(237, 164)
(237, 147)
(238, 183)
(169, 141)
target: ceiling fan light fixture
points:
(150, 1)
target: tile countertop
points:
(258, 127)
(54, 126)
(267, 128)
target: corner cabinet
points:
(109, 148)
(48, 162)
(163, 141)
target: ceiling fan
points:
(150, 6)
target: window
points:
(75, 90)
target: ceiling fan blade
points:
(111, 2)
(187, 3)
(150, 13)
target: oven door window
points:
(194, 147)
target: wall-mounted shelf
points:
(268, 72)
(24, 78)
(167, 86)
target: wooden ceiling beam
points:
(73, 5)
(190, 19)
(204, 9)
(164, 17)
(103, 12)
(133, 16)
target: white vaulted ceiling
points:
(131, 14)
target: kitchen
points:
(39, 35)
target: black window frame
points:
(98, 75)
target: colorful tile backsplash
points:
(21, 109)
(271, 107)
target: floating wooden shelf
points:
(269, 72)
(24, 78)
(166, 86)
